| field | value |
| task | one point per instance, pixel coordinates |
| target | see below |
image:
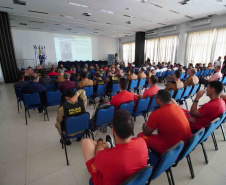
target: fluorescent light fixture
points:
(61, 25)
(79, 5)
(147, 20)
(107, 11)
(67, 16)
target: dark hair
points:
(20, 76)
(34, 77)
(83, 74)
(97, 75)
(154, 79)
(164, 95)
(218, 67)
(132, 70)
(44, 73)
(218, 86)
(69, 93)
(177, 73)
(148, 69)
(123, 83)
(142, 69)
(123, 124)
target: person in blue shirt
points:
(34, 87)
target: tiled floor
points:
(32, 154)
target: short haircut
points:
(164, 96)
(52, 69)
(154, 79)
(69, 93)
(83, 74)
(218, 86)
(97, 75)
(148, 69)
(142, 69)
(123, 124)
(123, 83)
(44, 73)
(132, 70)
(193, 71)
(177, 73)
(34, 77)
(20, 76)
(218, 67)
(66, 76)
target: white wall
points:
(24, 40)
(183, 29)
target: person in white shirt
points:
(217, 62)
(156, 70)
(163, 68)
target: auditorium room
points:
(112, 92)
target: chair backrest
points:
(104, 115)
(167, 159)
(49, 87)
(127, 106)
(224, 81)
(164, 73)
(152, 105)
(18, 93)
(178, 94)
(209, 129)
(172, 72)
(142, 106)
(75, 90)
(115, 88)
(186, 92)
(222, 117)
(133, 84)
(192, 143)
(101, 89)
(89, 91)
(182, 76)
(142, 82)
(172, 93)
(158, 74)
(31, 99)
(139, 177)
(53, 98)
(77, 125)
(194, 89)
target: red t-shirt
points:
(70, 72)
(119, 163)
(150, 91)
(209, 112)
(172, 124)
(121, 97)
(53, 74)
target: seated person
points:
(53, 73)
(45, 79)
(181, 69)
(34, 87)
(210, 66)
(67, 84)
(192, 79)
(70, 71)
(152, 90)
(21, 82)
(132, 75)
(112, 165)
(60, 77)
(61, 67)
(214, 77)
(170, 121)
(202, 117)
(141, 74)
(148, 75)
(123, 95)
(84, 81)
(156, 70)
(75, 105)
(176, 83)
(97, 79)
(91, 67)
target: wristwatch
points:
(196, 101)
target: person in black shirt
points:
(223, 71)
(45, 79)
(21, 82)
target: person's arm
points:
(194, 112)
(100, 146)
(223, 95)
(147, 130)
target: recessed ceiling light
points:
(80, 27)
(173, 11)
(128, 22)
(69, 29)
(23, 24)
(7, 7)
(184, 2)
(92, 21)
(129, 8)
(35, 28)
(87, 14)
(189, 17)
(79, 5)
(34, 11)
(67, 16)
(19, 2)
(107, 11)
(130, 16)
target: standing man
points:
(217, 62)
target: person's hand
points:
(144, 124)
(75, 98)
(199, 95)
(192, 119)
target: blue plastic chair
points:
(114, 90)
(164, 163)
(224, 81)
(31, 101)
(58, 86)
(19, 98)
(193, 91)
(49, 87)
(172, 93)
(158, 74)
(178, 94)
(141, 84)
(75, 90)
(172, 72)
(185, 95)
(101, 90)
(190, 146)
(182, 76)
(53, 98)
(222, 121)
(127, 106)
(197, 73)
(77, 126)
(141, 108)
(153, 105)
(89, 94)
(133, 85)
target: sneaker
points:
(79, 139)
(110, 140)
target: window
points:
(129, 52)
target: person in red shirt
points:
(202, 117)
(123, 95)
(109, 165)
(70, 71)
(170, 121)
(53, 73)
(152, 90)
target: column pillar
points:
(139, 48)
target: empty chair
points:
(19, 98)
(164, 163)
(190, 146)
(76, 127)
(152, 105)
(141, 84)
(89, 94)
(141, 108)
(101, 90)
(133, 85)
(127, 106)
(114, 89)
(178, 94)
(222, 121)
(185, 95)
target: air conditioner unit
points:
(168, 29)
(152, 33)
(200, 22)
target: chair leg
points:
(168, 177)
(94, 104)
(204, 152)
(65, 149)
(190, 166)
(18, 107)
(92, 135)
(186, 104)
(26, 115)
(214, 141)
(222, 129)
(47, 114)
(171, 175)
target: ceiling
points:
(143, 16)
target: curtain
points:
(199, 47)
(219, 48)
(128, 52)
(162, 49)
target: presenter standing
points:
(116, 59)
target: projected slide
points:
(77, 48)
